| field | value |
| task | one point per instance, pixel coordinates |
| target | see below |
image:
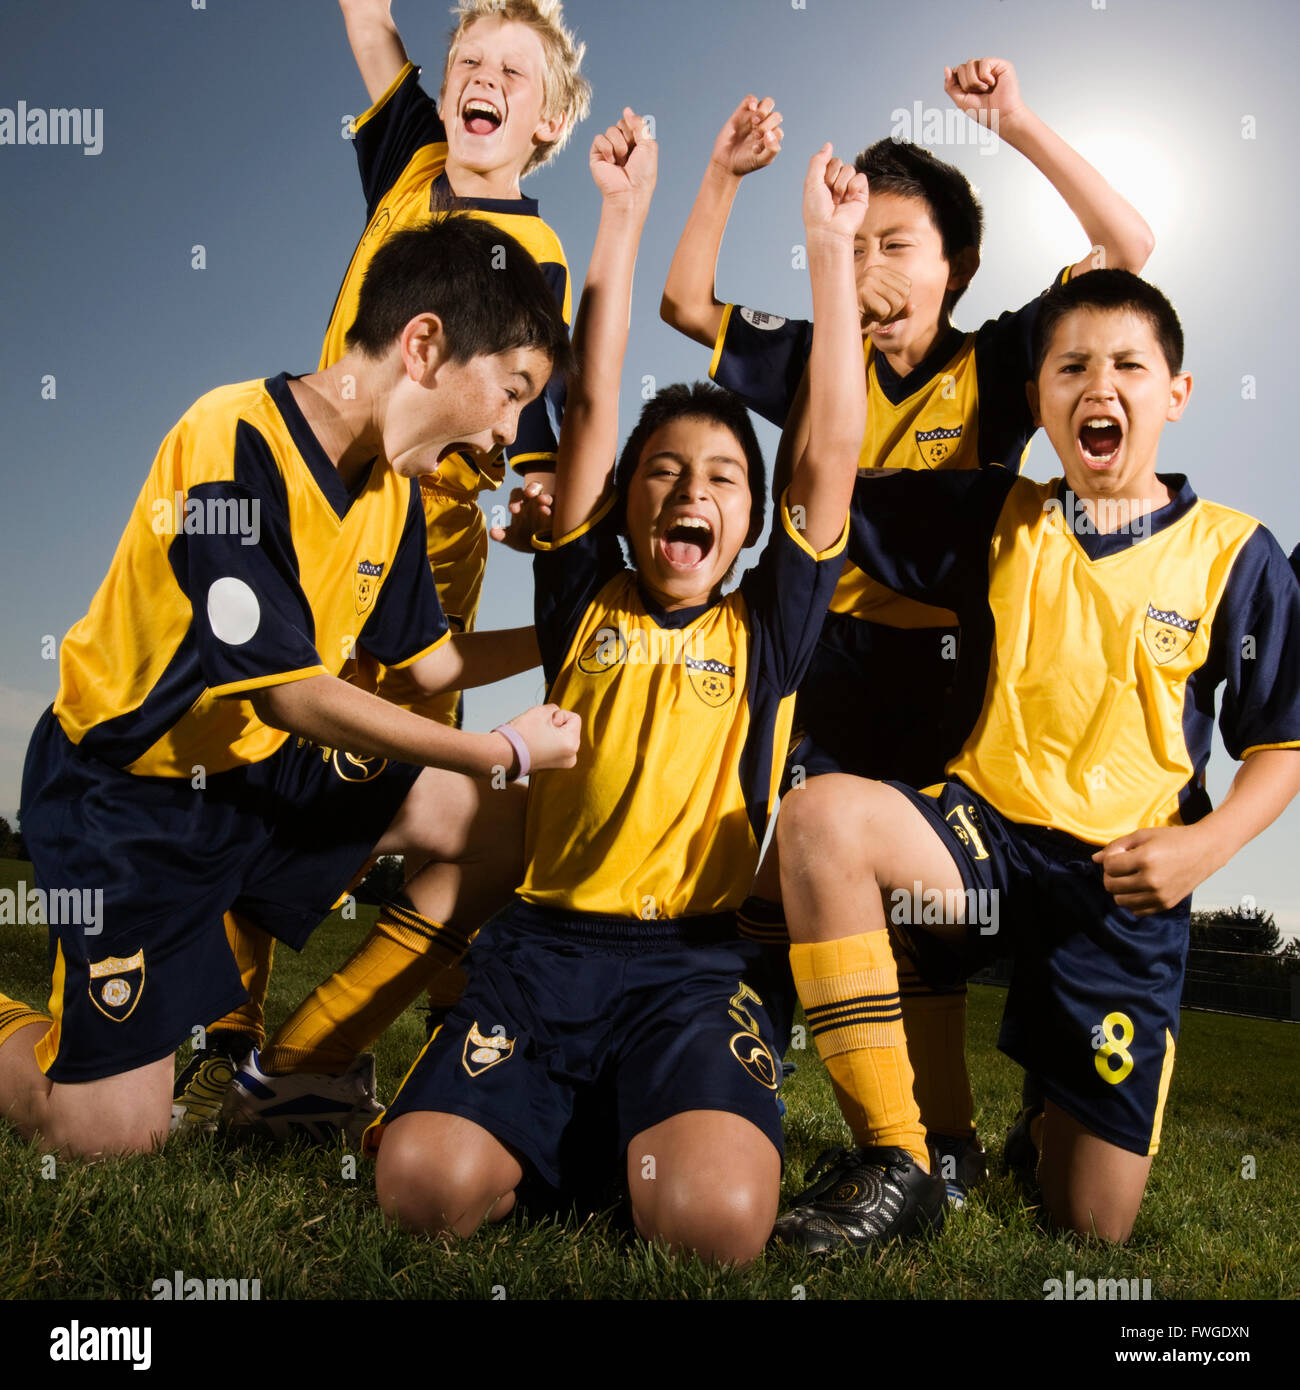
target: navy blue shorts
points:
(1093, 1004)
(154, 863)
(877, 702)
(570, 1015)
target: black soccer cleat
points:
(1020, 1153)
(862, 1197)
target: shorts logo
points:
(606, 650)
(752, 1054)
(756, 318)
(1167, 633)
(712, 681)
(481, 1052)
(965, 822)
(353, 767)
(937, 446)
(116, 985)
(366, 584)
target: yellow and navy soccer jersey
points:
(246, 563)
(685, 720)
(962, 407)
(401, 147)
(1101, 653)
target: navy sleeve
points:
(787, 594)
(252, 621)
(403, 121)
(1256, 644)
(761, 357)
(1003, 365)
(926, 535)
(407, 617)
(567, 575)
(538, 436)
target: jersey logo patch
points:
(116, 984)
(937, 446)
(752, 1054)
(481, 1052)
(966, 825)
(713, 682)
(353, 767)
(366, 584)
(607, 649)
(1167, 633)
(756, 318)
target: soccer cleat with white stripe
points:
(316, 1104)
(961, 1163)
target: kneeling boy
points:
(279, 531)
(617, 972)
(1074, 824)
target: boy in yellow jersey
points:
(1103, 610)
(510, 96)
(617, 974)
(180, 770)
(883, 696)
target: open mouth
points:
(687, 542)
(481, 117)
(1099, 439)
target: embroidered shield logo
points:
(116, 985)
(1167, 633)
(936, 446)
(712, 681)
(366, 584)
(752, 1054)
(606, 649)
(482, 1052)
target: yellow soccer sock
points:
(342, 1017)
(849, 990)
(15, 1015)
(935, 1024)
(254, 950)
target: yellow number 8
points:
(1112, 1038)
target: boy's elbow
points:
(1135, 251)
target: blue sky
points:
(222, 128)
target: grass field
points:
(216, 1207)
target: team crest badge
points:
(752, 1054)
(353, 767)
(966, 825)
(366, 584)
(1167, 633)
(116, 985)
(607, 649)
(712, 681)
(481, 1052)
(937, 446)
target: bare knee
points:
(427, 1182)
(722, 1224)
(827, 819)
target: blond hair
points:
(564, 89)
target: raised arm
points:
(624, 164)
(751, 139)
(376, 44)
(984, 86)
(834, 204)
(470, 659)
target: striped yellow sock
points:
(935, 1024)
(849, 990)
(342, 1017)
(15, 1015)
(254, 950)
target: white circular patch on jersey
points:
(756, 318)
(233, 611)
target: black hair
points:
(488, 291)
(701, 401)
(1112, 290)
(895, 166)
